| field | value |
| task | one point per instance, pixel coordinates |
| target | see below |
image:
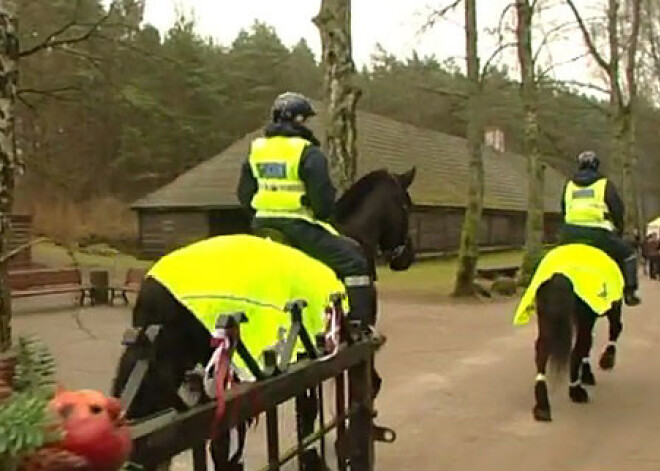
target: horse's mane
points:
(358, 191)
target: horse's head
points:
(396, 242)
(375, 211)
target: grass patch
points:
(435, 277)
(97, 220)
(56, 256)
(425, 278)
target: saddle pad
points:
(596, 279)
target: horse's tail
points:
(555, 307)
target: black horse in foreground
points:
(566, 320)
(374, 212)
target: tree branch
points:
(613, 33)
(547, 35)
(493, 56)
(50, 41)
(57, 93)
(590, 86)
(500, 23)
(81, 55)
(587, 38)
(437, 15)
(51, 91)
(547, 70)
(442, 91)
(29, 105)
(653, 40)
(632, 53)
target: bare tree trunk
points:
(535, 185)
(630, 196)
(9, 53)
(622, 113)
(341, 93)
(469, 247)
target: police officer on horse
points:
(594, 214)
(286, 184)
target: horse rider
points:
(285, 184)
(594, 214)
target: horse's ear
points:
(406, 179)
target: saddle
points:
(278, 236)
(273, 234)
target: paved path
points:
(458, 388)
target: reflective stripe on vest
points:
(274, 162)
(586, 206)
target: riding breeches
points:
(341, 254)
(610, 243)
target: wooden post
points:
(361, 424)
(272, 427)
(99, 282)
(340, 406)
(272, 424)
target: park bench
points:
(44, 281)
(132, 283)
(491, 273)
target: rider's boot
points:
(362, 299)
(631, 283)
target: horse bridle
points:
(398, 250)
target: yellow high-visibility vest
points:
(586, 206)
(275, 163)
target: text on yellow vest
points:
(586, 206)
(275, 162)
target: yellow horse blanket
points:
(257, 276)
(596, 279)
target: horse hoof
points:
(588, 378)
(311, 461)
(578, 394)
(542, 415)
(607, 360)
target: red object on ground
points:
(94, 428)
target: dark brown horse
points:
(374, 212)
(563, 316)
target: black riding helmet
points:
(292, 107)
(588, 160)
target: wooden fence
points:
(160, 438)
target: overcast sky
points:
(397, 26)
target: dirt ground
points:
(458, 385)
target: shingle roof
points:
(441, 161)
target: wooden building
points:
(202, 202)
